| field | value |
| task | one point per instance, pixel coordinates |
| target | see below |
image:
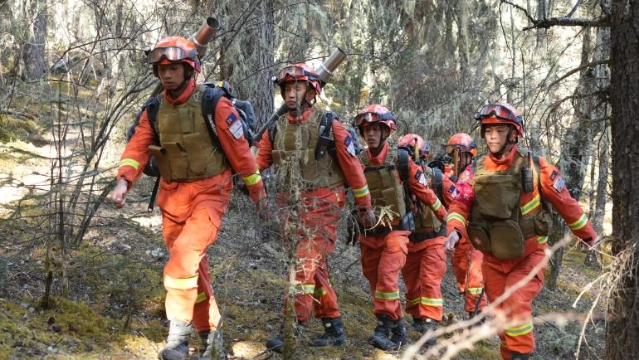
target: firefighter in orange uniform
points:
(466, 260)
(195, 187)
(393, 177)
(506, 218)
(426, 261)
(319, 170)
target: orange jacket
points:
(136, 155)
(348, 162)
(553, 190)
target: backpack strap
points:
(325, 141)
(210, 99)
(437, 183)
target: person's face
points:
(496, 137)
(171, 76)
(294, 93)
(373, 135)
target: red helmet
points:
(375, 114)
(174, 49)
(499, 113)
(298, 72)
(409, 140)
(463, 142)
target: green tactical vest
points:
(496, 219)
(294, 155)
(187, 152)
(384, 183)
(425, 219)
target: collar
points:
(184, 96)
(505, 161)
(300, 119)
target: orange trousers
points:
(383, 257)
(498, 277)
(315, 229)
(466, 262)
(423, 274)
(186, 274)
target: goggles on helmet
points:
(499, 111)
(370, 117)
(172, 53)
(450, 148)
(295, 72)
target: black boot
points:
(333, 333)
(381, 337)
(519, 356)
(398, 330)
(423, 325)
(177, 343)
(213, 350)
(277, 343)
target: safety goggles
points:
(373, 117)
(172, 53)
(450, 148)
(499, 111)
(295, 72)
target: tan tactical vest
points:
(294, 151)
(187, 152)
(384, 184)
(426, 222)
(496, 219)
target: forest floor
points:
(107, 300)
(113, 308)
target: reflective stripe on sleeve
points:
(456, 216)
(436, 205)
(252, 179)
(129, 162)
(361, 192)
(580, 223)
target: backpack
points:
(212, 95)
(435, 175)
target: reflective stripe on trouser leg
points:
(518, 335)
(381, 268)
(187, 244)
(206, 314)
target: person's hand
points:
(118, 196)
(368, 219)
(451, 242)
(590, 243)
(265, 211)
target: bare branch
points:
(579, 68)
(560, 21)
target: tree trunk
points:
(622, 330)
(33, 53)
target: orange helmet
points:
(298, 72)
(499, 113)
(174, 49)
(410, 140)
(375, 113)
(463, 142)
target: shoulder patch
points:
(235, 126)
(419, 176)
(350, 146)
(553, 175)
(559, 183)
(463, 177)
